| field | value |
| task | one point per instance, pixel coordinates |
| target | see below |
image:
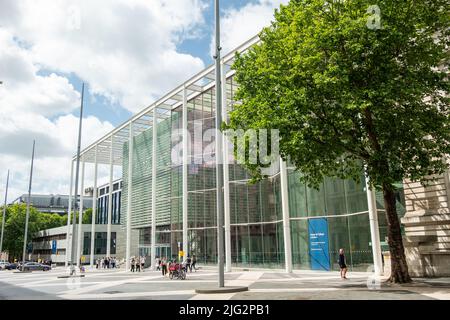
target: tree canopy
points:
(15, 226)
(349, 84)
(342, 93)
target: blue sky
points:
(128, 52)
(104, 109)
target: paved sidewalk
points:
(263, 285)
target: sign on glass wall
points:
(318, 244)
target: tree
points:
(87, 216)
(348, 88)
(15, 226)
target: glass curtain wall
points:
(255, 209)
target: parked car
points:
(34, 266)
(3, 265)
(11, 266)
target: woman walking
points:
(342, 264)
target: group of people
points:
(137, 264)
(106, 263)
(163, 264)
(46, 262)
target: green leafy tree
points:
(15, 228)
(349, 87)
(87, 216)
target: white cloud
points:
(126, 50)
(240, 24)
(34, 106)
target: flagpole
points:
(28, 210)
(75, 202)
(4, 214)
(219, 162)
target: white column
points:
(80, 215)
(374, 230)
(94, 209)
(186, 150)
(69, 214)
(154, 173)
(286, 216)
(226, 176)
(111, 172)
(129, 198)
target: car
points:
(11, 266)
(34, 266)
(3, 265)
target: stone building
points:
(427, 227)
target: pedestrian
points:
(188, 264)
(137, 264)
(142, 263)
(342, 264)
(132, 264)
(164, 266)
(194, 262)
(158, 264)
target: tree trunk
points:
(399, 267)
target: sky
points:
(127, 52)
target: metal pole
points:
(374, 230)
(28, 210)
(94, 209)
(286, 216)
(129, 204)
(226, 177)
(80, 216)
(154, 173)
(74, 216)
(186, 153)
(219, 160)
(110, 202)
(69, 213)
(4, 214)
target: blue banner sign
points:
(54, 247)
(318, 244)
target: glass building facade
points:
(339, 207)
(103, 203)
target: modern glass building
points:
(103, 202)
(173, 204)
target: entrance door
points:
(318, 244)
